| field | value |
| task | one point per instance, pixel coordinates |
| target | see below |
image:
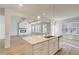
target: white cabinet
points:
(45, 46)
(60, 42)
(44, 50)
(37, 49)
(28, 49)
(53, 46)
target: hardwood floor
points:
(1, 45)
(18, 48)
(68, 49)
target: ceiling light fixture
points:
(38, 17)
(53, 16)
(53, 20)
(53, 12)
(20, 5)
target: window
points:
(40, 27)
(71, 28)
(44, 28)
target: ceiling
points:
(60, 12)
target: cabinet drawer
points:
(41, 49)
(44, 44)
(37, 46)
(37, 51)
(52, 41)
(56, 45)
(44, 50)
(53, 46)
(51, 51)
(40, 45)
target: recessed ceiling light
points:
(20, 5)
(38, 17)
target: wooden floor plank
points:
(18, 48)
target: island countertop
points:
(36, 39)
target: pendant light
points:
(38, 17)
(53, 20)
(53, 17)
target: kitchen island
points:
(40, 45)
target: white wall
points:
(15, 16)
(13, 21)
(56, 28)
(13, 25)
(2, 27)
(26, 25)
